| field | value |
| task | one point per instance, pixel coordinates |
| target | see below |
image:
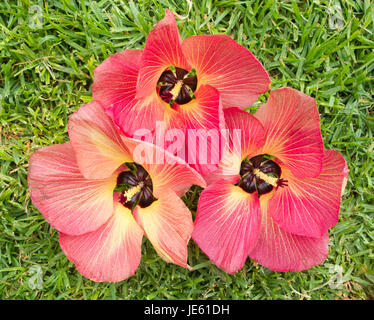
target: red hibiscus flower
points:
(276, 198)
(183, 84)
(101, 207)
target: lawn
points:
(48, 51)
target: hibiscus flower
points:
(183, 84)
(275, 198)
(102, 196)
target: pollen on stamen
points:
(176, 86)
(176, 90)
(263, 176)
(133, 191)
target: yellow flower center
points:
(128, 194)
(265, 177)
(177, 88)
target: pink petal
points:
(167, 223)
(139, 114)
(112, 253)
(167, 171)
(205, 111)
(227, 224)
(68, 201)
(229, 67)
(246, 136)
(96, 141)
(228, 169)
(292, 128)
(252, 132)
(310, 206)
(280, 250)
(201, 121)
(115, 88)
(115, 79)
(162, 50)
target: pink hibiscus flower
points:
(101, 207)
(140, 87)
(275, 199)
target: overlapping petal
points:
(115, 88)
(251, 131)
(112, 253)
(310, 206)
(292, 128)
(96, 141)
(205, 111)
(201, 121)
(139, 114)
(162, 50)
(115, 79)
(229, 67)
(280, 250)
(227, 224)
(166, 170)
(68, 201)
(167, 223)
(245, 137)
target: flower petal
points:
(68, 201)
(292, 128)
(115, 79)
(252, 132)
(167, 223)
(166, 170)
(205, 111)
(229, 67)
(112, 253)
(227, 224)
(280, 250)
(139, 114)
(115, 88)
(246, 136)
(202, 120)
(162, 50)
(310, 206)
(96, 141)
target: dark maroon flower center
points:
(176, 86)
(136, 187)
(260, 174)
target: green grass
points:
(47, 73)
